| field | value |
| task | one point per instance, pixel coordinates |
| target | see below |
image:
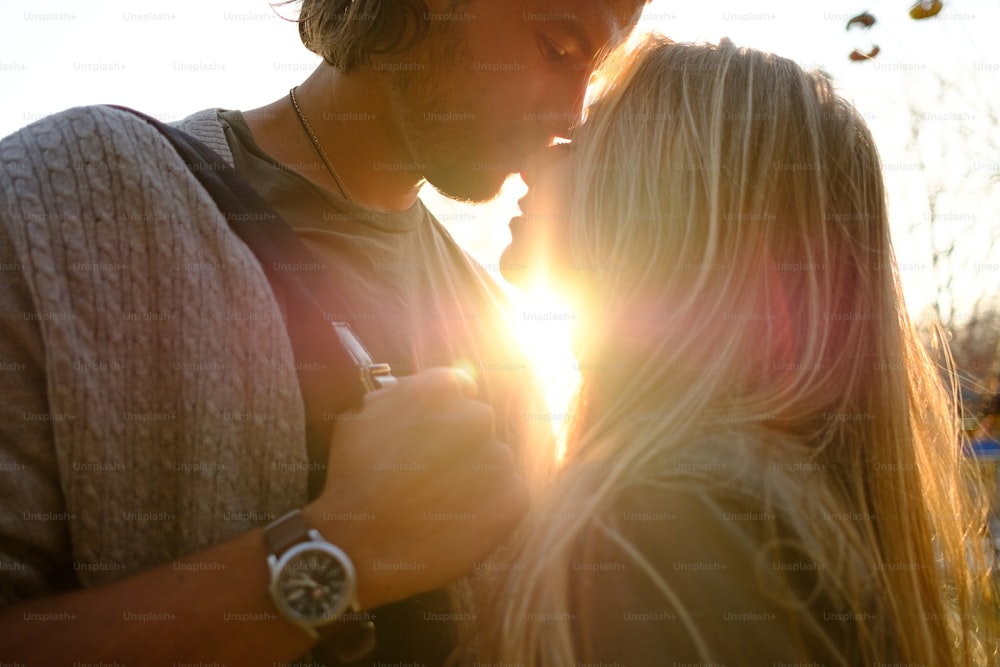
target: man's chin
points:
(471, 187)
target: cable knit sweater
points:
(141, 402)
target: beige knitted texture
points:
(176, 413)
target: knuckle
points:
(482, 413)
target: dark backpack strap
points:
(334, 369)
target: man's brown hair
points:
(346, 33)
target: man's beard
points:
(443, 134)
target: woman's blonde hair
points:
(731, 237)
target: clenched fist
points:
(418, 487)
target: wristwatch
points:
(314, 585)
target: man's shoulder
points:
(80, 122)
(80, 148)
(200, 121)
(207, 127)
(106, 130)
(100, 163)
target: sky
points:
(172, 58)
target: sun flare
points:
(543, 324)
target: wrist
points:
(353, 543)
(314, 586)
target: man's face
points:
(496, 80)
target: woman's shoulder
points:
(736, 467)
(716, 548)
(738, 492)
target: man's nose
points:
(530, 168)
(538, 160)
(561, 101)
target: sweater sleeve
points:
(33, 533)
(693, 577)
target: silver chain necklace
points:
(318, 146)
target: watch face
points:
(313, 583)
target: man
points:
(153, 421)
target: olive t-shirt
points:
(416, 300)
(413, 296)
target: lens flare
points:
(544, 323)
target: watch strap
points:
(284, 533)
(350, 640)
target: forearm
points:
(213, 606)
(427, 452)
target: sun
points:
(543, 324)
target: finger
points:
(466, 383)
(458, 435)
(472, 422)
(439, 385)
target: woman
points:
(763, 467)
